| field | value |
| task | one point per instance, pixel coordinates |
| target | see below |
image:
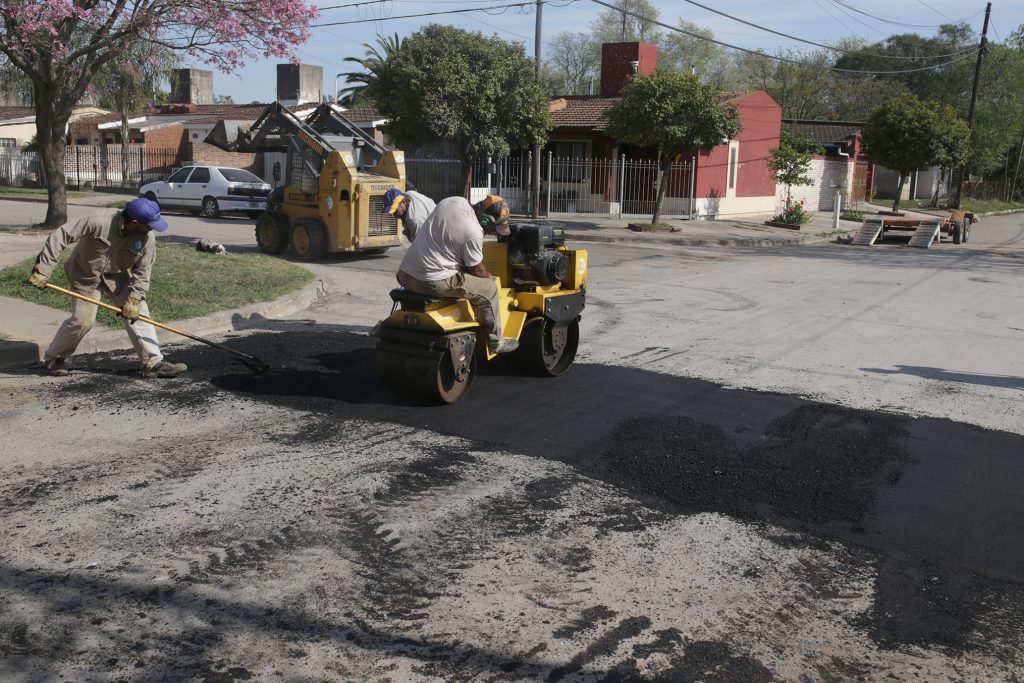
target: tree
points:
(673, 113)
(356, 82)
(613, 26)
(790, 162)
(125, 84)
(477, 93)
(710, 62)
(223, 99)
(60, 46)
(574, 59)
(909, 135)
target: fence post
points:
(547, 212)
(693, 187)
(622, 183)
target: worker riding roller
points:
(465, 297)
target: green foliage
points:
(790, 162)
(673, 113)
(908, 135)
(793, 214)
(612, 26)
(477, 93)
(573, 59)
(356, 82)
(185, 283)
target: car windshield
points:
(237, 175)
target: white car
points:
(210, 191)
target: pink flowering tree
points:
(60, 46)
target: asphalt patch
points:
(928, 504)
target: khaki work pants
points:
(482, 293)
(83, 315)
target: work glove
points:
(37, 279)
(130, 309)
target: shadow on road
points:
(999, 381)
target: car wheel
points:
(253, 215)
(152, 197)
(211, 209)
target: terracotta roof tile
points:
(823, 132)
(363, 112)
(12, 113)
(587, 111)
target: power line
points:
(778, 58)
(884, 20)
(811, 42)
(936, 11)
(505, 8)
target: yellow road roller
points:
(430, 348)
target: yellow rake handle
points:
(251, 361)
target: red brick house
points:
(731, 179)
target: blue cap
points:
(391, 199)
(146, 211)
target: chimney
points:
(620, 61)
(299, 83)
(192, 86)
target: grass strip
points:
(185, 283)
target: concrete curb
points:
(700, 241)
(71, 202)
(215, 323)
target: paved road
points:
(670, 510)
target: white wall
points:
(820, 196)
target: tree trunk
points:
(50, 126)
(467, 176)
(124, 148)
(665, 166)
(934, 203)
(899, 193)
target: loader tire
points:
(309, 239)
(272, 232)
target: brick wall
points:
(821, 195)
(168, 137)
(205, 154)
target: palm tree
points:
(125, 85)
(356, 82)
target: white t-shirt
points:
(420, 206)
(449, 241)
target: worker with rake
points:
(114, 254)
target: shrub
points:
(794, 214)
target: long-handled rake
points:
(251, 362)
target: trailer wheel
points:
(958, 232)
(309, 239)
(272, 233)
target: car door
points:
(196, 188)
(168, 193)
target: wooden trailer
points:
(926, 230)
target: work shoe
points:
(163, 369)
(506, 345)
(57, 367)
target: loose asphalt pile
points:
(408, 535)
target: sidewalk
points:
(99, 199)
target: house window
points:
(8, 142)
(568, 163)
(733, 154)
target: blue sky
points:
(818, 20)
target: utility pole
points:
(535, 176)
(982, 46)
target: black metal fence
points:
(95, 167)
(572, 186)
